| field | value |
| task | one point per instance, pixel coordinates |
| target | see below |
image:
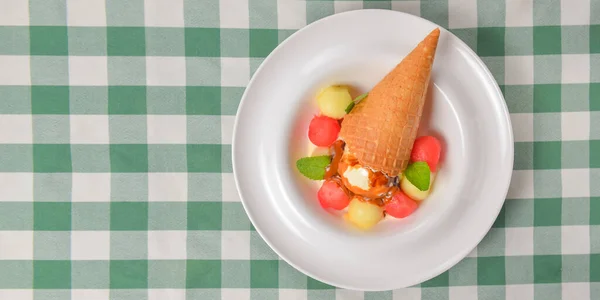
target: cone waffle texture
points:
(381, 129)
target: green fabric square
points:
(125, 13)
(47, 12)
(375, 4)
(202, 42)
(490, 13)
(547, 239)
(316, 10)
(547, 98)
(259, 250)
(204, 158)
(547, 127)
(500, 221)
(575, 154)
(289, 277)
(519, 98)
(594, 94)
(234, 217)
(90, 274)
(51, 245)
(52, 187)
(203, 274)
(15, 40)
(203, 244)
(127, 100)
(284, 34)
(491, 292)
(167, 216)
(264, 294)
(262, 42)
(575, 268)
(16, 158)
(518, 41)
(201, 13)
(547, 212)
(87, 41)
(266, 16)
(127, 129)
(126, 70)
(51, 216)
(255, 63)
(547, 268)
(49, 70)
(594, 43)
(547, 155)
(595, 267)
(236, 274)
(166, 274)
(575, 97)
(496, 66)
(230, 100)
(434, 12)
(519, 213)
(547, 291)
(15, 99)
(81, 158)
(128, 245)
(90, 216)
(491, 271)
(490, 41)
(52, 158)
(519, 269)
(204, 187)
(576, 211)
(51, 129)
(51, 274)
(16, 216)
(226, 162)
(547, 69)
(467, 35)
(128, 274)
(438, 281)
(16, 274)
(128, 216)
(48, 40)
(167, 158)
(594, 207)
(523, 156)
(88, 100)
(463, 273)
(546, 12)
(51, 294)
(163, 100)
(128, 158)
(49, 100)
(165, 41)
(203, 100)
(575, 39)
(264, 273)
(128, 294)
(211, 74)
(493, 243)
(204, 129)
(204, 216)
(313, 284)
(546, 40)
(594, 157)
(126, 41)
(547, 184)
(235, 42)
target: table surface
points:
(115, 149)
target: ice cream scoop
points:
(361, 180)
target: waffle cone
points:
(381, 129)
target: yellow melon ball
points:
(364, 214)
(333, 101)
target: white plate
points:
(465, 108)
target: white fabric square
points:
(237, 294)
(519, 241)
(86, 13)
(88, 294)
(410, 7)
(89, 129)
(88, 70)
(462, 292)
(14, 12)
(91, 187)
(167, 129)
(163, 13)
(575, 12)
(228, 189)
(167, 244)
(15, 245)
(290, 14)
(234, 14)
(575, 291)
(165, 71)
(575, 126)
(462, 13)
(575, 239)
(235, 245)
(235, 71)
(519, 291)
(90, 245)
(342, 6)
(521, 185)
(522, 124)
(292, 294)
(16, 187)
(15, 69)
(166, 294)
(167, 187)
(519, 13)
(16, 129)
(17, 294)
(575, 182)
(518, 70)
(407, 294)
(227, 129)
(575, 68)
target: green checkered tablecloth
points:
(115, 149)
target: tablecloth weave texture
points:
(115, 149)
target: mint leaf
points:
(313, 167)
(356, 100)
(418, 174)
(350, 107)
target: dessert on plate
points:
(377, 165)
